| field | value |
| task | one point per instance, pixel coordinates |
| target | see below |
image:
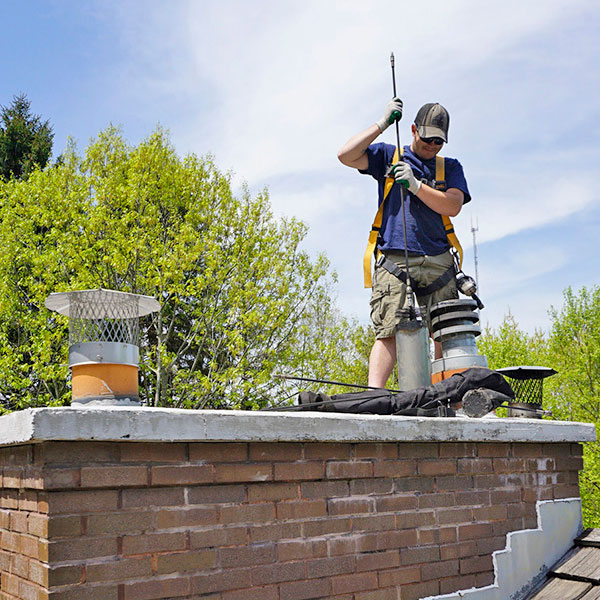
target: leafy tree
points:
(572, 347)
(574, 394)
(239, 298)
(25, 140)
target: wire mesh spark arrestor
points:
(103, 343)
(454, 323)
(527, 383)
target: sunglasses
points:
(433, 140)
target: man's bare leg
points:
(382, 361)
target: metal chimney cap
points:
(111, 301)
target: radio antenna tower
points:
(474, 230)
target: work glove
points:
(392, 113)
(404, 176)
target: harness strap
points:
(391, 267)
(376, 227)
(440, 184)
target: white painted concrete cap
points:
(170, 424)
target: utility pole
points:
(474, 230)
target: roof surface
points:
(576, 576)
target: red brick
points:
(349, 470)
(64, 526)
(299, 549)
(474, 531)
(119, 569)
(9, 499)
(234, 473)
(490, 513)
(395, 503)
(556, 449)
(454, 483)
(119, 523)
(218, 581)
(305, 590)
(453, 584)
(272, 491)
(218, 452)
(527, 450)
(357, 582)
(83, 501)
(81, 548)
(476, 564)
(275, 451)
(376, 450)
(472, 497)
(121, 476)
(564, 491)
(184, 562)
(17, 455)
(385, 540)
(401, 576)
(248, 513)
(274, 532)
(76, 453)
(37, 525)
(219, 536)
(57, 479)
(152, 497)
(437, 467)
(305, 509)
(246, 556)
(10, 584)
(488, 482)
(418, 518)
(454, 515)
(475, 465)
(489, 545)
(327, 451)
(395, 468)
(505, 496)
(18, 521)
(439, 570)
(374, 523)
(576, 450)
(256, 593)
(437, 535)
(325, 527)
(153, 542)
(324, 489)
(420, 590)
(327, 567)
(366, 487)
(185, 517)
(298, 471)
(419, 450)
(31, 501)
(350, 506)
(58, 576)
(458, 449)
(426, 554)
(30, 546)
(97, 592)
(20, 566)
(509, 465)
(156, 588)
(493, 449)
(378, 594)
(153, 452)
(181, 474)
(278, 572)
(375, 561)
(216, 494)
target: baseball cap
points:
(433, 120)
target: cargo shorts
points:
(388, 293)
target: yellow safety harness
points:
(440, 184)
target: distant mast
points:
(474, 230)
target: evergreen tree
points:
(25, 140)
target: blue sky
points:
(273, 89)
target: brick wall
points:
(266, 521)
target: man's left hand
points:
(404, 176)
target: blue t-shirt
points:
(424, 227)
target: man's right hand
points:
(392, 113)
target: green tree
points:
(25, 140)
(240, 299)
(574, 394)
(572, 347)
